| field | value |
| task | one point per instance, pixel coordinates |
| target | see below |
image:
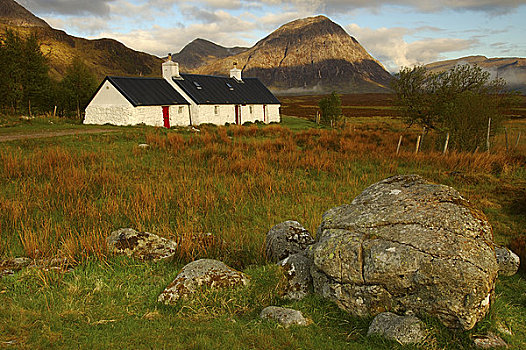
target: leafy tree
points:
(458, 101)
(77, 86)
(331, 108)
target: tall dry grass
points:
(216, 192)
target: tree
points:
(25, 82)
(458, 101)
(77, 86)
(331, 108)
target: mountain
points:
(103, 56)
(511, 69)
(310, 55)
(11, 13)
(201, 51)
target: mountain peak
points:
(12, 13)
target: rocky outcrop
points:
(14, 14)
(286, 239)
(403, 329)
(405, 244)
(508, 261)
(141, 245)
(309, 55)
(297, 268)
(284, 316)
(202, 273)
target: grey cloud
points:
(68, 7)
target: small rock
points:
(286, 239)
(508, 261)
(299, 280)
(403, 329)
(203, 272)
(141, 245)
(144, 145)
(489, 341)
(283, 316)
(10, 266)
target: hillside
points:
(511, 69)
(103, 56)
(310, 55)
(200, 52)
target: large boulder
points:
(403, 329)
(141, 245)
(202, 273)
(286, 239)
(407, 245)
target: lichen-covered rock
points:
(297, 271)
(284, 316)
(405, 244)
(508, 261)
(286, 239)
(141, 245)
(489, 341)
(202, 273)
(403, 329)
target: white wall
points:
(226, 114)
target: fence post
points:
(506, 135)
(518, 138)
(445, 145)
(487, 136)
(417, 144)
(399, 143)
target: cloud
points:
(68, 7)
(389, 46)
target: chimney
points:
(235, 72)
(170, 69)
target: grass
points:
(65, 195)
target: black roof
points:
(147, 91)
(207, 89)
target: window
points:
(197, 85)
(216, 110)
(181, 109)
(250, 109)
(230, 86)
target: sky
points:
(396, 32)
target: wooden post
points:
(518, 138)
(487, 136)
(29, 107)
(318, 117)
(417, 144)
(506, 136)
(445, 145)
(54, 111)
(399, 143)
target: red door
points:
(238, 114)
(166, 116)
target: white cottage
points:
(182, 99)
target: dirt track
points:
(38, 135)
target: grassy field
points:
(65, 195)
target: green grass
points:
(68, 193)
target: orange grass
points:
(216, 192)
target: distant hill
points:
(310, 55)
(511, 69)
(103, 56)
(200, 52)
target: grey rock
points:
(403, 329)
(508, 261)
(12, 265)
(284, 316)
(489, 341)
(202, 273)
(405, 244)
(141, 245)
(297, 271)
(286, 239)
